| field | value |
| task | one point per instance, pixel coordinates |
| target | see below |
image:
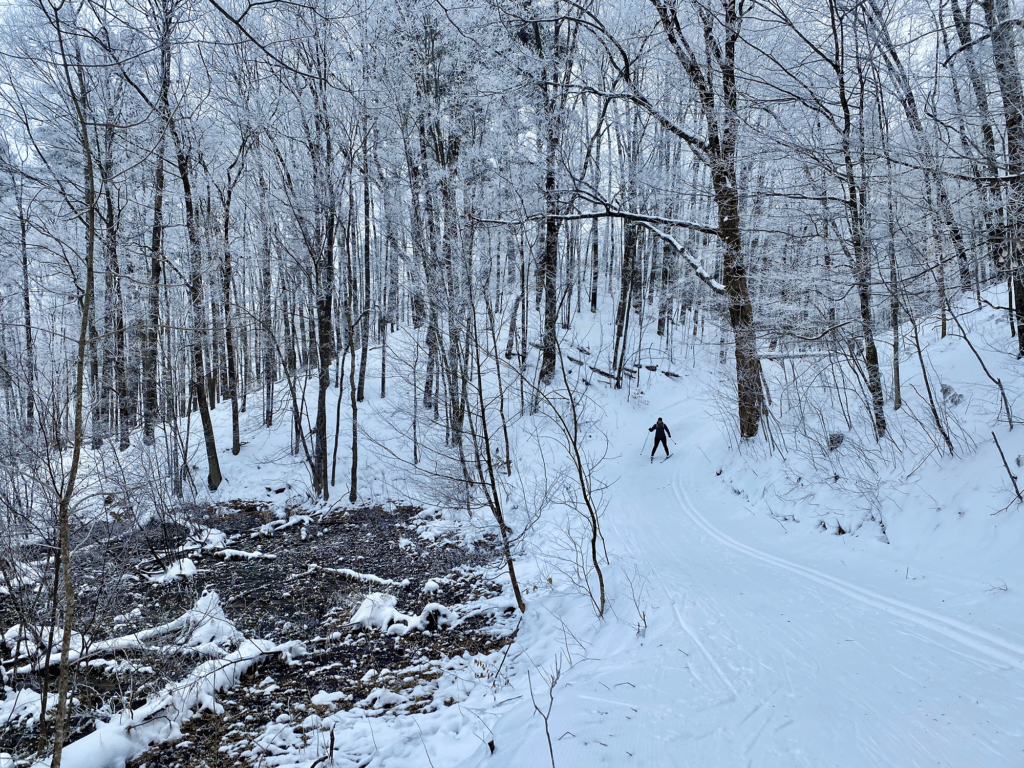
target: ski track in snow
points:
(984, 642)
(789, 666)
(696, 641)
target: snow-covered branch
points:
(701, 273)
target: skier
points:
(660, 430)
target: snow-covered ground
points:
(774, 643)
(743, 629)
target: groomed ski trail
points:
(1003, 651)
(750, 657)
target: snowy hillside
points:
(764, 637)
(786, 605)
(332, 338)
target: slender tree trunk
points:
(994, 210)
(114, 386)
(30, 352)
(67, 492)
(197, 309)
(365, 321)
(856, 205)
(151, 330)
(266, 304)
(484, 460)
(229, 338)
(353, 488)
(664, 294)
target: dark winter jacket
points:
(660, 429)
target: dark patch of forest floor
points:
(289, 581)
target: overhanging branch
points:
(683, 251)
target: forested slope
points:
(329, 256)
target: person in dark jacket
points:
(660, 430)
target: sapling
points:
(552, 681)
(993, 379)
(637, 588)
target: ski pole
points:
(645, 445)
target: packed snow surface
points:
(772, 649)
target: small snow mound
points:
(323, 699)
(431, 586)
(377, 611)
(180, 569)
(381, 698)
(210, 627)
(21, 707)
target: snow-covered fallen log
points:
(202, 629)
(129, 733)
(239, 554)
(348, 573)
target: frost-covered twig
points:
(328, 756)
(701, 273)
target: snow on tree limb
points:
(701, 273)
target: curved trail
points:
(751, 659)
(979, 640)
(763, 661)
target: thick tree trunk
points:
(549, 267)
(593, 248)
(741, 310)
(326, 356)
(734, 272)
(1004, 53)
(627, 281)
(721, 113)
(151, 330)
